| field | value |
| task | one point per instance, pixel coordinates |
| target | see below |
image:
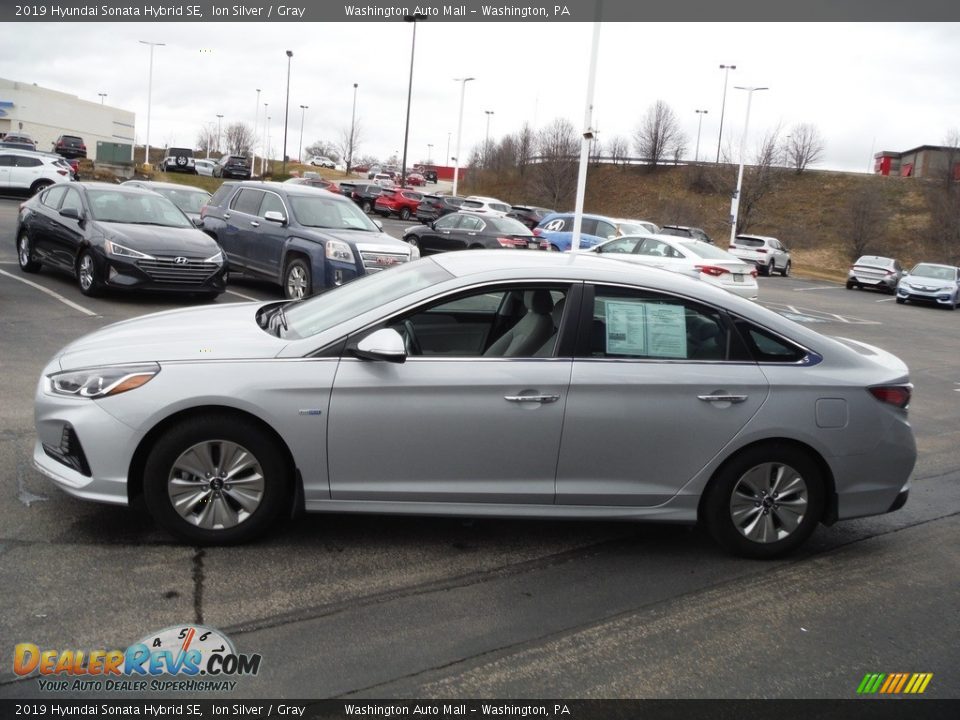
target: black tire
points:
(297, 280)
(404, 213)
(88, 277)
(766, 270)
(40, 186)
(901, 301)
(851, 285)
(366, 206)
(412, 240)
(25, 254)
(786, 270)
(255, 454)
(779, 493)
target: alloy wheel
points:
(769, 502)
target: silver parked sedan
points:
(483, 383)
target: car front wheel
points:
(297, 283)
(764, 502)
(786, 270)
(216, 480)
(25, 254)
(88, 277)
(404, 213)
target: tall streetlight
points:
(726, 71)
(406, 128)
(430, 153)
(486, 139)
(353, 129)
(253, 141)
(448, 148)
(735, 203)
(456, 160)
(701, 113)
(303, 113)
(266, 140)
(146, 153)
(286, 113)
(102, 96)
(219, 118)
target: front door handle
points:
(723, 398)
(254, 223)
(531, 398)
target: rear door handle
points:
(254, 223)
(531, 398)
(723, 398)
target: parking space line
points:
(819, 287)
(890, 299)
(52, 294)
(245, 297)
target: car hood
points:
(157, 240)
(934, 283)
(219, 332)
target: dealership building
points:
(107, 131)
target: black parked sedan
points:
(117, 237)
(467, 231)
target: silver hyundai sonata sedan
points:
(483, 383)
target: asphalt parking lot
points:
(350, 606)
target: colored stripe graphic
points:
(894, 683)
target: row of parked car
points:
(927, 282)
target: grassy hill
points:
(816, 214)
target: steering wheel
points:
(410, 342)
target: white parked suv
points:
(27, 170)
(322, 161)
(486, 205)
(767, 253)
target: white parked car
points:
(687, 257)
(204, 167)
(322, 161)
(767, 253)
(481, 204)
(27, 170)
(628, 226)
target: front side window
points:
(642, 325)
(448, 222)
(272, 203)
(52, 197)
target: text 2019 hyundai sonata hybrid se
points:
(488, 384)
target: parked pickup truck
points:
(303, 238)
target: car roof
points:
(150, 184)
(755, 237)
(293, 189)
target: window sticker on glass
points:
(645, 329)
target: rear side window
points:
(27, 162)
(221, 195)
(764, 346)
(247, 201)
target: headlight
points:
(218, 258)
(337, 250)
(101, 382)
(118, 250)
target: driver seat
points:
(530, 332)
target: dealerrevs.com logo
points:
(188, 658)
(894, 683)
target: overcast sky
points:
(866, 87)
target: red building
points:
(924, 161)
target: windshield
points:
(116, 206)
(190, 201)
(369, 292)
(935, 272)
(706, 250)
(327, 211)
(509, 225)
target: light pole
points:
(406, 128)
(735, 203)
(486, 139)
(102, 96)
(146, 152)
(303, 113)
(448, 148)
(253, 140)
(286, 113)
(219, 118)
(726, 71)
(700, 113)
(456, 161)
(266, 140)
(430, 153)
(353, 129)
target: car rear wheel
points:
(25, 254)
(764, 502)
(216, 479)
(412, 240)
(366, 207)
(851, 285)
(87, 276)
(786, 270)
(39, 186)
(404, 213)
(767, 269)
(297, 283)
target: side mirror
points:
(274, 216)
(432, 224)
(384, 344)
(197, 221)
(72, 213)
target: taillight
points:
(537, 231)
(762, 250)
(203, 212)
(508, 242)
(897, 395)
(753, 272)
(712, 270)
(62, 172)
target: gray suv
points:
(302, 238)
(767, 253)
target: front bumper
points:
(162, 274)
(937, 296)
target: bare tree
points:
(207, 138)
(619, 150)
(866, 218)
(525, 143)
(659, 134)
(238, 138)
(556, 173)
(804, 146)
(760, 179)
(350, 138)
(323, 148)
(951, 170)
